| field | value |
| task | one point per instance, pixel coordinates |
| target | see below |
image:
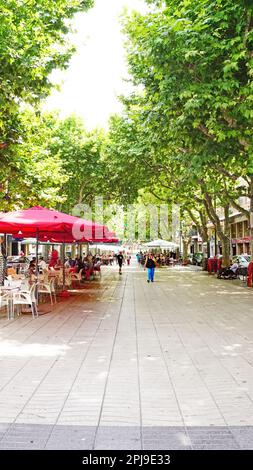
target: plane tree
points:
(194, 63)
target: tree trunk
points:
(185, 250)
(204, 236)
(225, 252)
(223, 233)
(201, 224)
(225, 239)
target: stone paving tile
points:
(125, 432)
(173, 437)
(118, 445)
(216, 447)
(68, 445)
(19, 436)
(174, 357)
(243, 436)
(64, 442)
(71, 437)
(165, 445)
(212, 438)
(4, 427)
(22, 446)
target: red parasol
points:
(51, 225)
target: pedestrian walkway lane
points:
(125, 364)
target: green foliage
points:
(194, 60)
(32, 175)
(80, 153)
(33, 42)
(124, 152)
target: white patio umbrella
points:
(162, 244)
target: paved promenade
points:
(125, 364)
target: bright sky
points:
(94, 79)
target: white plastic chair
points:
(23, 268)
(53, 289)
(97, 269)
(45, 273)
(68, 280)
(25, 286)
(77, 277)
(46, 288)
(26, 298)
(4, 302)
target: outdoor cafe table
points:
(10, 289)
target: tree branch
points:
(236, 205)
(239, 207)
(157, 197)
(225, 172)
(205, 131)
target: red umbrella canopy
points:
(50, 225)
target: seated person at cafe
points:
(22, 258)
(70, 263)
(228, 272)
(11, 272)
(53, 258)
(78, 263)
(42, 264)
(234, 267)
(58, 264)
(32, 266)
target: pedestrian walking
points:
(150, 264)
(128, 260)
(120, 259)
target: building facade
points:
(239, 234)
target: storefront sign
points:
(241, 240)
